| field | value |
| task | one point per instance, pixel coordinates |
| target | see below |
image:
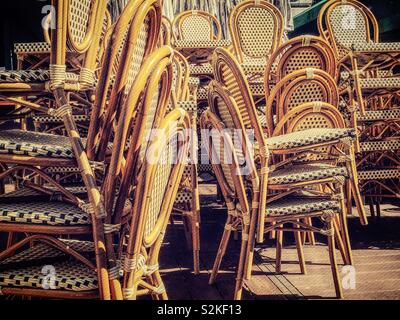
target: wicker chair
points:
(228, 72)
(156, 190)
(166, 32)
(368, 65)
(195, 25)
(256, 29)
(299, 53)
(243, 204)
(143, 33)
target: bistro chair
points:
(242, 204)
(228, 72)
(154, 197)
(367, 65)
(299, 53)
(256, 28)
(142, 20)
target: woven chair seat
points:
(45, 251)
(39, 75)
(183, 196)
(384, 145)
(308, 138)
(257, 88)
(200, 44)
(306, 172)
(52, 119)
(68, 275)
(304, 205)
(27, 192)
(377, 115)
(33, 48)
(380, 83)
(35, 144)
(201, 69)
(381, 174)
(377, 47)
(193, 81)
(202, 94)
(44, 213)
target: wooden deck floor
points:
(376, 250)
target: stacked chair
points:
(310, 146)
(370, 90)
(130, 182)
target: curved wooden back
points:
(256, 29)
(181, 77)
(155, 194)
(343, 23)
(296, 54)
(302, 86)
(195, 25)
(134, 38)
(166, 32)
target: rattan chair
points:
(243, 204)
(299, 53)
(228, 72)
(156, 190)
(142, 20)
(368, 69)
(196, 25)
(256, 29)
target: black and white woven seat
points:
(50, 213)
(309, 137)
(301, 206)
(52, 119)
(201, 69)
(376, 46)
(202, 94)
(193, 81)
(35, 144)
(382, 145)
(389, 83)
(22, 193)
(68, 275)
(30, 76)
(33, 48)
(200, 44)
(306, 172)
(380, 174)
(379, 115)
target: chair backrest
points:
(296, 54)
(312, 115)
(181, 77)
(344, 23)
(134, 38)
(195, 25)
(154, 197)
(256, 28)
(78, 28)
(166, 32)
(302, 86)
(142, 111)
(229, 73)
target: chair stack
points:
(129, 183)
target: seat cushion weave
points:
(35, 144)
(202, 94)
(306, 205)
(39, 75)
(199, 44)
(308, 137)
(193, 81)
(44, 213)
(377, 115)
(380, 83)
(388, 145)
(377, 46)
(52, 119)
(381, 174)
(306, 172)
(203, 69)
(42, 251)
(69, 275)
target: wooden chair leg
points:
(279, 246)
(339, 240)
(344, 229)
(300, 251)
(333, 261)
(221, 252)
(160, 284)
(356, 190)
(241, 266)
(196, 241)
